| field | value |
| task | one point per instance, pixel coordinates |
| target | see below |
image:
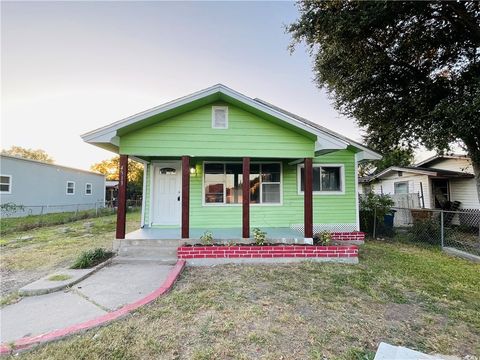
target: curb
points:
(43, 291)
(28, 342)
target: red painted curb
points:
(27, 342)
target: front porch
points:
(274, 234)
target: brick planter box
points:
(353, 237)
(209, 255)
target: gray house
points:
(44, 188)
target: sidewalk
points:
(102, 293)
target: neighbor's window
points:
(5, 184)
(70, 188)
(223, 183)
(88, 189)
(219, 117)
(400, 187)
(326, 178)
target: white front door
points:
(166, 207)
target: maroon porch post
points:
(308, 198)
(122, 196)
(246, 198)
(185, 197)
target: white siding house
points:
(438, 179)
(42, 187)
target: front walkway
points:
(273, 233)
(103, 292)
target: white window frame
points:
(66, 189)
(401, 182)
(213, 117)
(225, 188)
(91, 189)
(324, 192)
(9, 184)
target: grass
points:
(25, 223)
(399, 293)
(90, 258)
(59, 277)
(50, 248)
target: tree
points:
(33, 154)
(393, 157)
(408, 72)
(110, 168)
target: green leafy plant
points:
(207, 238)
(259, 236)
(90, 258)
(322, 238)
(9, 209)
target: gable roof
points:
(433, 159)
(107, 136)
(433, 172)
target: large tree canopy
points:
(408, 72)
(33, 154)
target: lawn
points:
(26, 256)
(399, 293)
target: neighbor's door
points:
(167, 194)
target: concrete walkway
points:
(103, 292)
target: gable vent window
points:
(219, 117)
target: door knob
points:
(178, 198)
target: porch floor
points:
(273, 233)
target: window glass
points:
(4, 187)
(88, 189)
(233, 179)
(270, 172)
(330, 179)
(5, 183)
(271, 193)
(400, 187)
(70, 187)
(214, 182)
(325, 178)
(255, 183)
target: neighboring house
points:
(42, 187)
(441, 179)
(198, 150)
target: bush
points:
(259, 236)
(322, 238)
(373, 205)
(207, 238)
(90, 258)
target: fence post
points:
(41, 216)
(442, 234)
(96, 209)
(374, 223)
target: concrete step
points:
(146, 251)
(149, 242)
(142, 260)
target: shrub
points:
(259, 236)
(90, 258)
(322, 238)
(207, 238)
(426, 231)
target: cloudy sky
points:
(71, 67)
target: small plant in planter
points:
(207, 238)
(322, 238)
(259, 236)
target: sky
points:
(71, 67)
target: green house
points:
(218, 160)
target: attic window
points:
(219, 117)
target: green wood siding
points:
(328, 209)
(191, 133)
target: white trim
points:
(91, 189)
(224, 187)
(321, 193)
(213, 117)
(144, 191)
(150, 212)
(9, 185)
(397, 168)
(66, 188)
(401, 182)
(357, 205)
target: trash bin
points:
(388, 219)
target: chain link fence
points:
(21, 218)
(447, 229)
